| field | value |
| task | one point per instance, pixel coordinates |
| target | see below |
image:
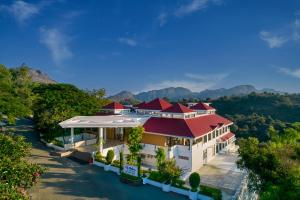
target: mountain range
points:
(177, 93)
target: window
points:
(199, 140)
(209, 136)
(214, 134)
(205, 138)
(183, 157)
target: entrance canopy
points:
(104, 121)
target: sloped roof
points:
(202, 106)
(192, 127)
(177, 108)
(114, 105)
(140, 105)
(157, 104)
(227, 136)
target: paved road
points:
(68, 180)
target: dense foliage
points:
(134, 143)
(16, 173)
(58, 102)
(254, 114)
(273, 166)
(16, 96)
(282, 107)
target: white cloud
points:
(194, 6)
(193, 82)
(128, 41)
(274, 41)
(290, 72)
(57, 43)
(21, 10)
(162, 19)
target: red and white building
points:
(190, 135)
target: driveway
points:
(68, 180)
(221, 172)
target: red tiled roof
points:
(177, 108)
(114, 105)
(227, 136)
(156, 104)
(202, 106)
(140, 105)
(192, 127)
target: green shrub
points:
(180, 184)
(194, 181)
(116, 163)
(139, 163)
(156, 176)
(121, 161)
(110, 156)
(99, 157)
(58, 143)
(215, 193)
(127, 178)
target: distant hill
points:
(40, 77)
(177, 93)
(170, 93)
(124, 95)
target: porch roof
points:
(104, 121)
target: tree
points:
(16, 173)
(134, 142)
(171, 171)
(160, 158)
(194, 181)
(273, 166)
(58, 102)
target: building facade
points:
(190, 135)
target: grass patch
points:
(215, 193)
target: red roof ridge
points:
(156, 104)
(202, 106)
(177, 108)
(114, 105)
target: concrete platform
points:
(222, 173)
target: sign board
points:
(131, 170)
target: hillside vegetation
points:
(254, 114)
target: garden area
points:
(166, 176)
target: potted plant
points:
(194, 181)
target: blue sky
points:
(139, 45)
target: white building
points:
(191, 136)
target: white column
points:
(191, 144)
(72, 135)
(122, 133)
(105, 134)
(100, 139)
